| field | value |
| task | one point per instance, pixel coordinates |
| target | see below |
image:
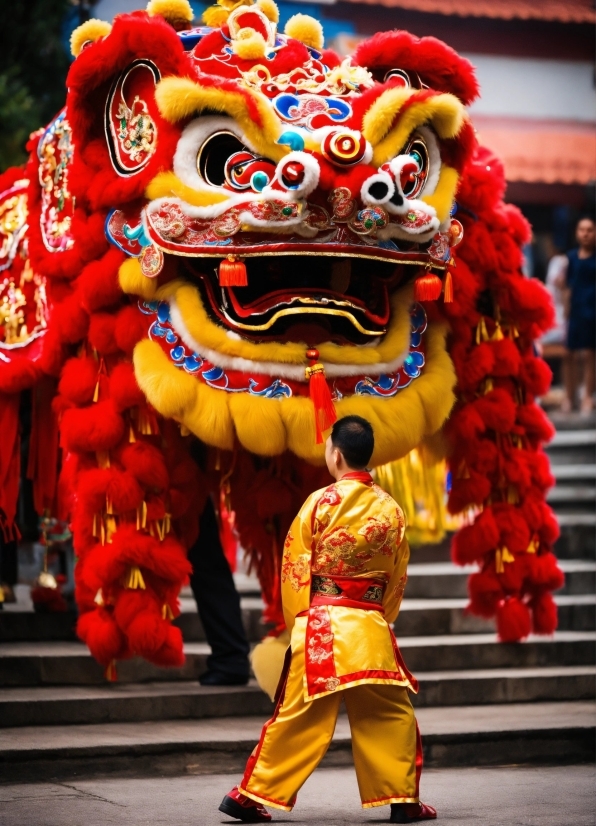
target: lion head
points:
(279, 207)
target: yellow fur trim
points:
(260, 427)
(269, 9)
(178, 13)
(215, 16)
(88, 32)
(444, 194)
(166, 184)
(249, 45)
(306, 29)
(388, 131)
(216, 417)
(179, 98)
(169, 390)
(133, 282)
(267, 660)
(214, 337)
(210, 418)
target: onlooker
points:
(581, 332)
(555, 284)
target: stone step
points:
(427, 617)
(69, 663)
(571, 495)
(571, 438)
(418, 617)
(133, 702)
(487, 735)
(578, 535)
(127, 702)
(574, 471)
(445, 580)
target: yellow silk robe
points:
(352, 529)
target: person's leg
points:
(569, 381)
(589, 359)
(387, 751)
(383, 729)
(218, 603)
(292, 743)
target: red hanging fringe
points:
(42, 466)
(10, 455)
(325, 414)
(232, 272)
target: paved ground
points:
(487, 797)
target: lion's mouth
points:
(304, 298)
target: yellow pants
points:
(385, 746)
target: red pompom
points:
(544, 614)
(131, 327)
(472, 542)
(545, 572)
(485, 593)
(147, 464)
(98, 630)
(79, 379)
(513, 620)
(102, 333)
(124, 389)
(97, 427)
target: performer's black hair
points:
(353, 436)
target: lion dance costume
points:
(232, 234)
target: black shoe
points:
(242, 808)
(221, 678)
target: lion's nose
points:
(378, 189)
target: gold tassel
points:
(166, 612)
(99, 598)
(142, 516)
(110, 673)
(481, 331)
(502, 555)
(131, 434)
(512, 495)
(103, 459)
(498, 333)
(111, 528)
(134, 580)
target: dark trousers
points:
(217, 599)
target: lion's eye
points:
(224, 161)
(415, 181)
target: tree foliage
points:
(33, 64)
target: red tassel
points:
(320, 395)
(448, 288)
(427, 287)
(232, 272)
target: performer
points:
(343, 577)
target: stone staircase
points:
(480, 702)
